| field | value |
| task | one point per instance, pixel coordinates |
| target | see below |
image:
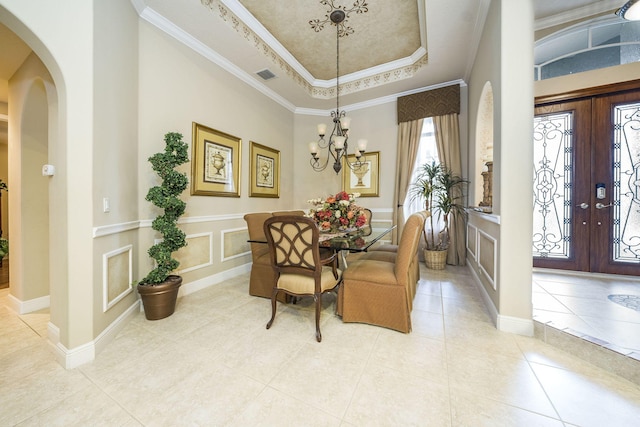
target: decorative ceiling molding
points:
(359, 6)
(255, 34)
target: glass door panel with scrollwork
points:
(626, 184)
(552, 185)
(560, 197)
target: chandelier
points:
(337, 143)
(630, 10)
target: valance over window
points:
(431, 103)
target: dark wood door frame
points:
(594, 237)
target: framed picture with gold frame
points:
(264, 178)
(215, 163)
(365, 179)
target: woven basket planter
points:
(435, 260)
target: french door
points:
(587, 184)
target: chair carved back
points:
(293, 244)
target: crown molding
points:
(577, 13)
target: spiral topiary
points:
(165, 196)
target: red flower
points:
(343, 195)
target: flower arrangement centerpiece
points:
(337, 213)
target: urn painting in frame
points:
(364, 179)
(264, 178)
(215, 163)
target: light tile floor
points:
(214, 363)
(582, 303)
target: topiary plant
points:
(165, 196)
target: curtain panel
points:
(448, 142)
(408, 142)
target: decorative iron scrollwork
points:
(552, 186)
(359, 6)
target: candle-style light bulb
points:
(313, 147)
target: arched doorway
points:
(32, 114)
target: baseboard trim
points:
(29, 306)
(204, 283)
(493, 312)
(514, 325)
(53, 333)
(85, 353)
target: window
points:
(595, 44)
(427, 153)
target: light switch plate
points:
(48, 170)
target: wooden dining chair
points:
(295, 259)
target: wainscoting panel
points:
(117, 275)
(197, 254)
(487, 256)
(234, 243)
(472, 241)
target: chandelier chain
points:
(337, 143)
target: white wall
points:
(115, 144)
(503, 61)
(31, 226)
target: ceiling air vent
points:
(266, 74)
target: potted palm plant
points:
(442, 192)
(159, 289)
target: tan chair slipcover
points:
(388, 253)
(262, 275)
(380, 292)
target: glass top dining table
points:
(354, 241)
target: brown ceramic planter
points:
(159, 300)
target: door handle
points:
(583, 205)
(602, 206)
